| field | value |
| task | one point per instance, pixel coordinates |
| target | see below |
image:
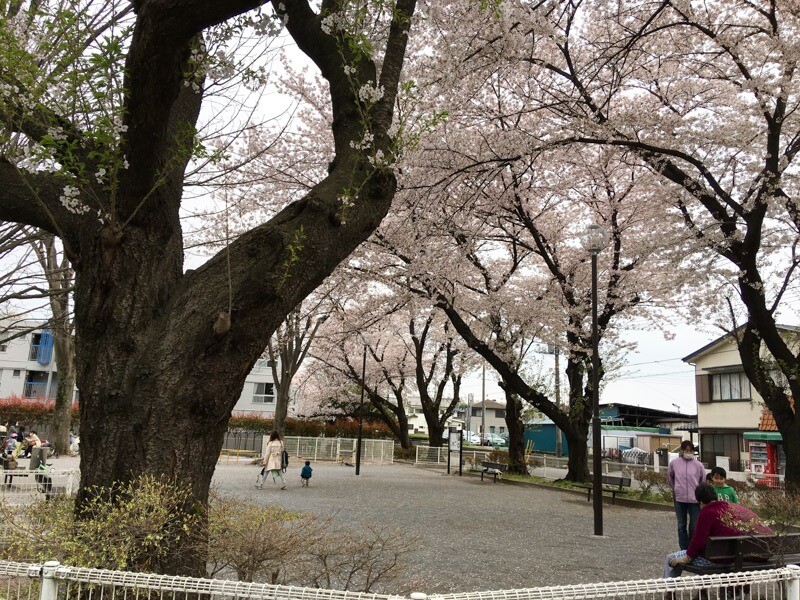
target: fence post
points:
(792, 585)
(49, 589)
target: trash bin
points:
(38, 456)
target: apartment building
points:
(28, 370)
(728, 407)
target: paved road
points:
(477, 535)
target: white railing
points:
(51, 581)
(20, 486)
(341, 449)
(437, 455)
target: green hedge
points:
(340, 427)
(33, 413)
(30, 412)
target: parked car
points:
(469, 437)
(492, 439)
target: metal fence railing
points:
(22, 486)
(51, 581)
(341, 449)
(437, 455)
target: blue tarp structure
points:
(45, 347)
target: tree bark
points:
(516, 435)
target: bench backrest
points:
(752, 548)
(494, 465)
(613, 480)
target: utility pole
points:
(470, 398)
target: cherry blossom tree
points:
(366, 353)
(114, 123)
(705, 96)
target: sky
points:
(655, 375)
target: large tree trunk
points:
(760, 331)
(281, 405)
(516, 435)
(578, 461)
(62, 411)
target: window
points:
(500, 413)
(16, 373)
(491, 428)
(263, 393)
(3, 347)
(502, 430)
(476, 412)
(730, 386)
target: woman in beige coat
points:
(273, 458)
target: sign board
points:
(454, 439)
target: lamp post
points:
(361, 412)
(594, 240)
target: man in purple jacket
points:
(718, 518)
(684, 475)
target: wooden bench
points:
(493, 468)
(611, 484)
(748, 553)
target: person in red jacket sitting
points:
(717, 518)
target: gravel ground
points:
(476, 535)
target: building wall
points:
(16, 355)
(728, 414)
(15, 358)
(247, 403)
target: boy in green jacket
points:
(724, 491)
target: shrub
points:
(31, 411)
(781, 509)
(136, 526)
(405, 453)
(254, 541)
(652, 483)
(746, 491)
(132, 526)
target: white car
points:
(468, 436)
(492, 439)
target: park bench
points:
(611, 484)
(493, 468)
(748, 553)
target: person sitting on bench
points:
(717, 518)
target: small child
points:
(305, 473)
(724, 491)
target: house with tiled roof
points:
(729, 409)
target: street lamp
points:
(594, 240)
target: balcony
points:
(36, 389)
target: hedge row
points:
(36, 413)
(31, 412)
(338, 428)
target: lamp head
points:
(594, 239)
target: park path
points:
(476, 535)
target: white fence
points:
(51, 581)
(22, 486)
(341, 449)
(437, 455)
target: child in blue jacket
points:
(305, 473)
